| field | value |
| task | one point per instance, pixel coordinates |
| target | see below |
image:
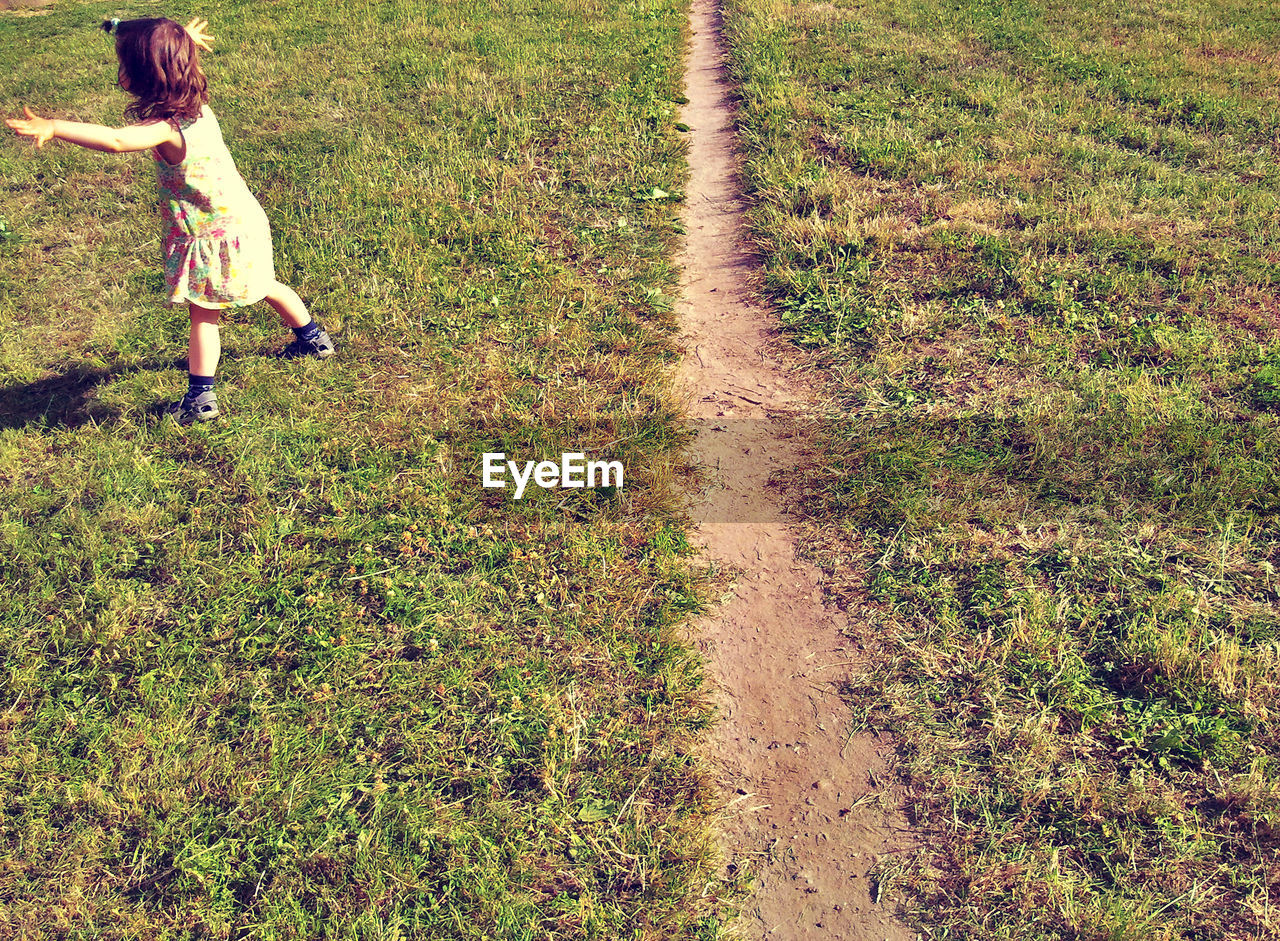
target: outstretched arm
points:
(115, 140)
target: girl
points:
(217, 241)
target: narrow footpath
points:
(804, 810)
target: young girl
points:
(217, 241)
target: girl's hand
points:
(34, 126)
(196, 30)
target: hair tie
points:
(115, 24)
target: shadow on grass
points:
(66, 399)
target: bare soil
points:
(809, 811)
(25, 7)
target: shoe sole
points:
(199, 420)
(194, 419)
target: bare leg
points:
(288, 305)
(204, 346)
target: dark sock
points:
(309, 332)
(198, 384)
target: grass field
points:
(295, 674)
(1034, 247)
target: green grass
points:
(1035, 249)
(295, 674)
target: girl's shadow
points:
(67, 399)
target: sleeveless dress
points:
(217, 242)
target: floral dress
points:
(217, 241)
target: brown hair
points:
(160, 67)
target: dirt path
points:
(803, 808)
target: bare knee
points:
(204, 314)
(282, 293)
